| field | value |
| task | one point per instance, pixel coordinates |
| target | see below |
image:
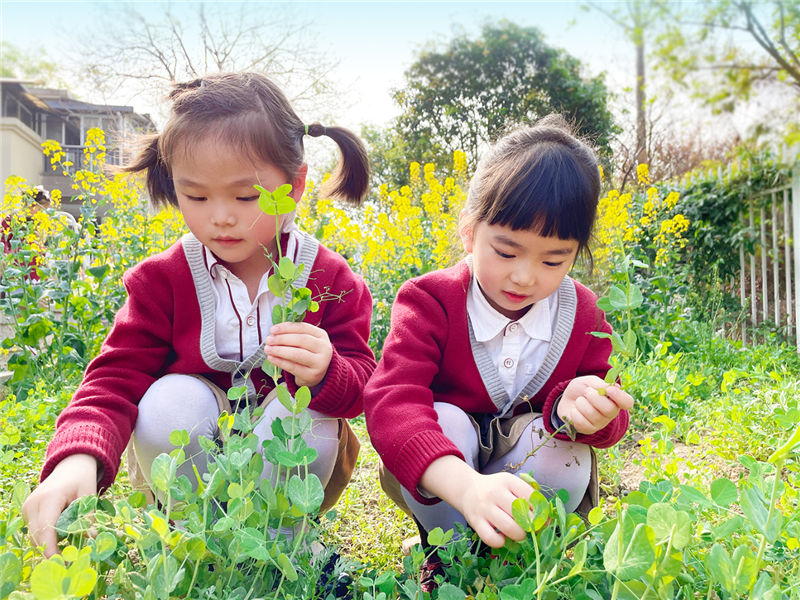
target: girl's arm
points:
(101, 416)
(484, 500)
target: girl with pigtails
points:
(198, 318)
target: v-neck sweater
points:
(167, 326)
(431, 355)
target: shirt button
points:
(513, 327)
(251, 320)
(508, 363)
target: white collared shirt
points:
(242, 326)
(517, 348)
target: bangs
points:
(251, 133)
(553, 195)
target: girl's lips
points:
(515, 298)
(227, 241)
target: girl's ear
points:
(465, 229)
(299, 182)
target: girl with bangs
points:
(504, 356)
(198, 318)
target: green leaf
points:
(306, 494)
(162, 472)
(629, 339)
(724, 492)
(179, 438)
(286, 567)
(667, 523)
(541, 509)
(766, 589)
(47, 580)
(276, 285)
(104, 546)
(447, 591)
(522, 513)
(629, 557)
(438, 537)
(284, 397)
(302, 398)
(253, 543)
(286, 268)
(524, 591)
(720, 567)
(10, 573)
(98, 272)
(237, 392)
(755, 508)
(618, 298)
(726, 529)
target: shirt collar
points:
(488, 323)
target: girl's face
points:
(214, 187)
(515, 269)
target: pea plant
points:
(227, 534)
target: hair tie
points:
(306, 129)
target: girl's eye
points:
(503, 254)
(247, 198)
(553, 264)
(195, 198)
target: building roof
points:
(61, 102)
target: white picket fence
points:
(769, 276)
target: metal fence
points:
(769, 264)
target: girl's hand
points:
(302, 349)
(73, 477)
(590, 403)
(484, 500)
(486, 506)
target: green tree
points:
(32, 66)
(468, 93)
(706, 38)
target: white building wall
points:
(20, 152)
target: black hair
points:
(248, 111)
(539, 177)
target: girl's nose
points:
(523, 277)
(222, 216)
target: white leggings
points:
(556, 465)
(184, 402)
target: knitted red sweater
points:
(166, 326)
(428, 358)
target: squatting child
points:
(198, 318)
(487, 358)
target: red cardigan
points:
(166, 326)
(428, 358)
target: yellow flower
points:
(643, 174)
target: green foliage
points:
(468, 93)
(700, 38)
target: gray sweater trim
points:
(567, 305)
(488, 371)
(193, 250)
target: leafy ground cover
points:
(701, 500)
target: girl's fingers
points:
(620, 397)
(299, 356)
(490, 536)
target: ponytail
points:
(159, 180)
(350, 180)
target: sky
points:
(373, 42)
